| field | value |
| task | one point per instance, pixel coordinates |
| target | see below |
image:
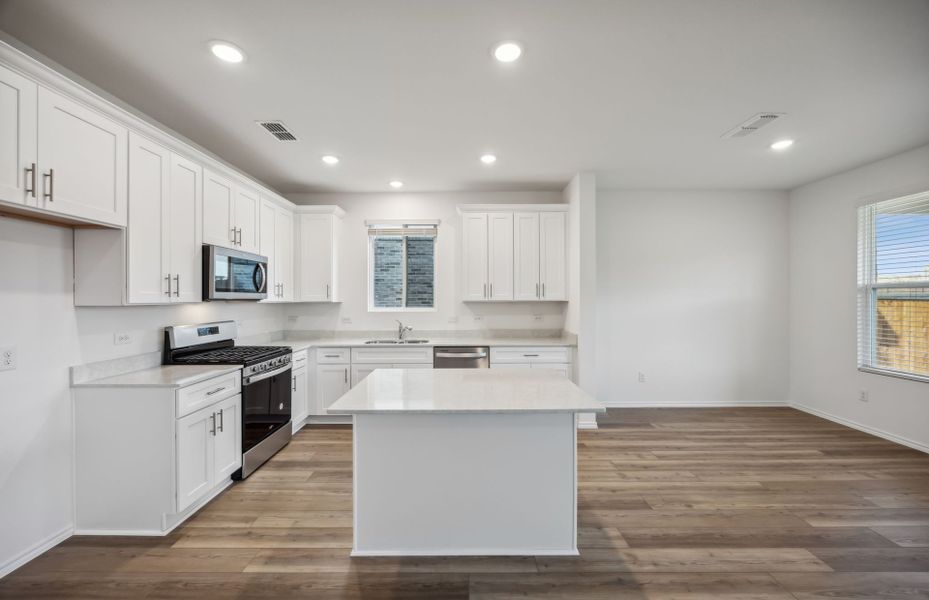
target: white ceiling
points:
(638, 91)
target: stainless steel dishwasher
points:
(461, 357)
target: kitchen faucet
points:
(402, 330)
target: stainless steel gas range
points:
(266, 383)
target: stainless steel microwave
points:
(233, 275)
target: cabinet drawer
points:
(195, 397)
(299, 359)
(333, 355)
(528, 354)
(394, 356)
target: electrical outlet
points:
(291, 319)
(641, 377)
(346, 320)
(121, 339)
(453, 319)
(536, 317)
(7, 359)
(863, 396)
(477, 317)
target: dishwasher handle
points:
(461, 355)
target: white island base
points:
(431, 479)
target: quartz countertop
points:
(422, 391)
(299, 344)
(171, 376)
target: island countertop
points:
(430, 391)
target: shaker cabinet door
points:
(195, 456)
(185, 230)
(148, 262)
(18, 177)
(218, 224)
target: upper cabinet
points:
(18, 176)
(247, 208)
(277, 243)
(230, 213)
(318, 256)
(513, 253)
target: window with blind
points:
(401, 265)
(893, 287)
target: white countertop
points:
(173, 376)
(410, 391)
(358, 342)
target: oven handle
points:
(261, 376)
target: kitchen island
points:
(465, 462)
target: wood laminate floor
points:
(760, 503)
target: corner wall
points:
(824, 378)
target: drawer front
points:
(332, 356)
(527, 354)
(299, 359)
(194, 397)
(394, 356)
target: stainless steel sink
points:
(389, 342)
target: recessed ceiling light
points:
(507, 52)
(396, 184)
(782, 144)
(227, 52)
(488, 159)
(329, 159)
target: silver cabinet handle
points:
(537, 290)
(168, 279)
(240, 236)
(30, 174)
(491, 290)
(543, 289)
(327, 291)
(332, 355)
(485, 290)
(282, 290)
(50, 188)
(216, 391)
(346, 374)
(530, 355)
(177, 286)
(293, 384)
(233, 235)
(213, 424)
(460, 354)
(220, 413)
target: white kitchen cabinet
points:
(564, 368)
(227, 439)
(332, 382)
(247, 208)
(526, 259)
(553, 256)
(500, 256)
(361, 371)
(318, 258)
(299, 400)
(18, 133)
(194, 456)
(82, 162)
(474, 256)
(277, 244)
(156, 259)
(267, 237)
(218, 210)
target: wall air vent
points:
(753, 124)
(278, 130)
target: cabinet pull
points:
(221, 420)
(50, 188)
(491, 290)
(537, 290)
(177, 286)
(327, 291)
(528, 355)
(233, 235)
(346, 374)
(282, 290)
(168, 279)
(240, 236)
(485, 290)
(216, 391)
(293, 384)
(213, 424)
(332, 355)
(30, 178)
(543, 289)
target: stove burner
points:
(231, 355)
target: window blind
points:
(893, 286)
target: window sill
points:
(897, 374)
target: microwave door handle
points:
(259, 277)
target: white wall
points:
(823, 311)
(398, 205)
(693, 289)
(38, 318)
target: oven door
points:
(233, 275)
(266, 401)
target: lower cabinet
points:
(564, 369)
(332, 381)
(361, 371)
(300, 408)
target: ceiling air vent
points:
(278, 130)
(753, 124)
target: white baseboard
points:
(860, 427)
(471, 552)
(587, 421)
(692, 404)
(37, 549)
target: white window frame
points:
(868, 287)
(412, 224)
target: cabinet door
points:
(247, 214)
(299, 401)
(227, 442)
(218, 221)
(526, 260)
(267, 240)
(195, 456)
(284, 253)
(316, 258)
(553, 259)
(185, 230)
(82, 161)
(500, 256)
(474, 256)
(332, 382)
(564, 369)
(148, 263)
(18, 139)
(359, 372)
